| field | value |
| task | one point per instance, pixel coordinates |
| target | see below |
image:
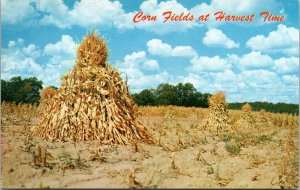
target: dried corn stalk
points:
(217, 119)
(92, 102)
(246, 119)
(263, 119)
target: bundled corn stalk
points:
(263, 119)
(217, 119)
(247, 119)
(92, 102)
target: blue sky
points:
(252, 61)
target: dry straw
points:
(217, 119)
(263, 119)
(246, 119)
(92, 103)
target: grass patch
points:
(263, 139)
(210, 170)
(245, 139)
(228, 137)
(232, 149)
(67, 162)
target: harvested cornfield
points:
(184, 157)
(92, 103)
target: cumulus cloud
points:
(291, 80)
(239, 76)
(151, 65)
(246, 85)
(256, 78)
(283, 40)
(95, 12)
(286, 65)
(66, 45)
(106, 13)
(21, 60)
(208, 64)
(157, 47)
(14, 12)
(255, 60)
(55, 12)
(16, 60)
(216, 38)
(135, 67)
(17, 64)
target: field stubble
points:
(261, 154)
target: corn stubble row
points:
(92, 103)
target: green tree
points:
(31, 90)
(145, 98)
(21, 91)
(185, 94)
(165, 94)
(201, 100)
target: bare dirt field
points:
(184, 156)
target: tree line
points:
(177, 95)
(186, 95)
(270, 107)
(27, 90)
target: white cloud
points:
(65, 45)
(290, 80)
(284, 40)
(253, 85)
(157, 47)
(216, 38)
(20, 60)
(107, 13)
(247, 85)
(148, 81)
(135, 58)
(151, 65)
(286, 65)
(31, 50)
(198, 81)
(240, 77)
(255, 60)
(11, 44)
(212, 64)
(256, 78)
(13, 11)
(56, 12)
(95, 12)
(135, 66)
(14, 65)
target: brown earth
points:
(183, 157)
